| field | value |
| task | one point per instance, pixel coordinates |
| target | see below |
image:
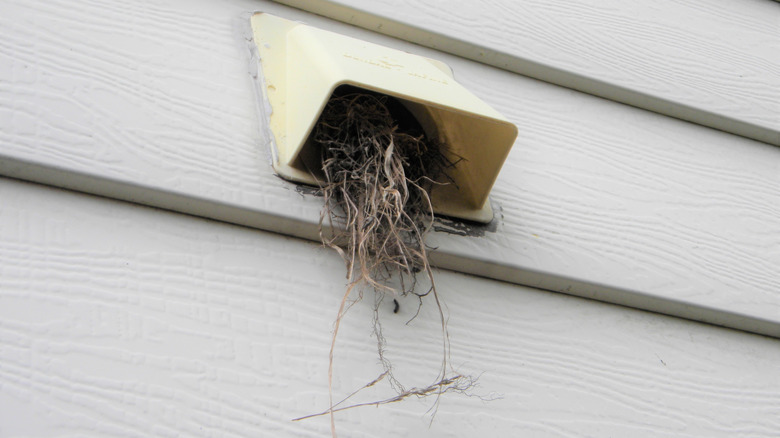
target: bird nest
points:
(378, 170)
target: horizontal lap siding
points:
(117, 319)
(155, 104)
(710, 62)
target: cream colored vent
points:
(303, 66)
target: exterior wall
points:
(117, 319)
(120, 320)
(597, 199)
(709, 62)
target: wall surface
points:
(709, 62)
(201, 319)
(120, 320)
(154, 103)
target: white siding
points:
(598, 199)
(120, 320)
(710, 62)
(123, 320)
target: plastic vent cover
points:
(302, 66)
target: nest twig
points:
(378, 175)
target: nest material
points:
(378, 176)
(378, 170)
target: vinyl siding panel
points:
(122, 320)
(709, 62)
(155, 104)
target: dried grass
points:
(379, 169)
